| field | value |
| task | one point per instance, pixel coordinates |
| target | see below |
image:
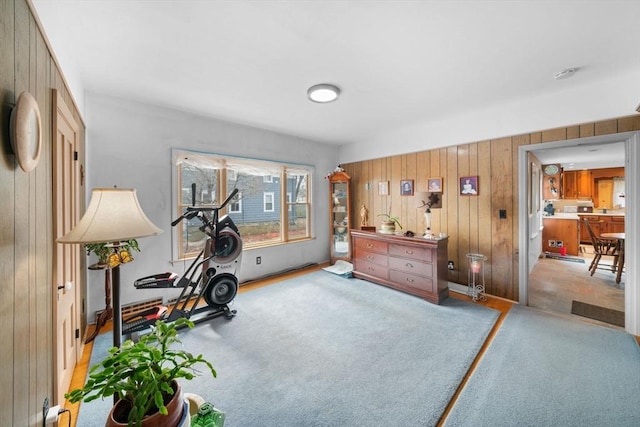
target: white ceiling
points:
(591, 156)
(397, 62)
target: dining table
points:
(620, 237)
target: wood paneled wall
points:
(26, 234)
(472, 222)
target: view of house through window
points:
(272, 205)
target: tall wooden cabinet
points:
(339, 216)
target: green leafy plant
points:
(104, 249)
(143, 372)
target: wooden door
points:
(605, 194)
(66, 312)
(584, 184)
(569, 185)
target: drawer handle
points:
(369, 257)
(408, 252)
(409, 265)
(371, 269)
(408, 279)
(369, 245)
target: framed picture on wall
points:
(434, 185)
(406, 187)
(383, 188)
(469, 186)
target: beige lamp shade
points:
(113, 215)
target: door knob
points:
(67, 286)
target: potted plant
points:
(389, 224)
(105, 252)
(143, 375)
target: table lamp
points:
(113, 215)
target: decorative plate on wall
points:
(26, 132)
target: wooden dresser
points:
(410, 264)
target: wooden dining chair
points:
(602, 247)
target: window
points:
(268, 202)
(299, 206)
(235, 205)
(259, 210)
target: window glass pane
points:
(298, 211)
(299, 226)
(206, 181)
(259, 220)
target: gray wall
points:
(129, 145)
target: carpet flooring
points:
(547, 370)
(324, 350)
(603, 314)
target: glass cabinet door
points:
(340, 217)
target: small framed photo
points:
(406, 187)
(383, 188)
(469, 186)
(434, 185)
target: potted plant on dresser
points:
(389, 224)
(144, 376)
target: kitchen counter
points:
(562, 216)
(609, 213)
(577, 216)
(561, 231)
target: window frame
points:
(266, 194)
(225, 166)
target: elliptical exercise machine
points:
(210, 277)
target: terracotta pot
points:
(120, 411)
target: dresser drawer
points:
(372, 245)
(371, 269)
(413, 252)
(411, 266)
(423, 284)
(376, 258)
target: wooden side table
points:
(107, 313)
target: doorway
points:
(528, 242)
(66, 263)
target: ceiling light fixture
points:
(323, 93)
(565, 74)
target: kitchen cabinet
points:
(577, 184)
(340, 204)
(414, 265)
(615, 225)
(559, 232)
(600, 224)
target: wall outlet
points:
(450, 265)
(258, 260)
